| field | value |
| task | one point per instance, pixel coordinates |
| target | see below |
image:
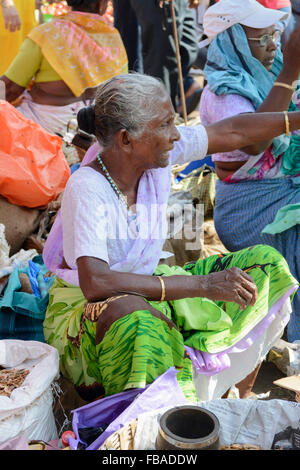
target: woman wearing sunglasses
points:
(258, 191)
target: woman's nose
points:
(272, 44)
(175, 134)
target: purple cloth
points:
(124, 407)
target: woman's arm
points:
(243, 130)
(98, 283)
(12, 89)
(22, 69)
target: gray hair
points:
(127, 101)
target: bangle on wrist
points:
(163, 289)
(284, 85)
(287, 123)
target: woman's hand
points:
(231, 285)
(11, 16)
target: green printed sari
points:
(137, 347)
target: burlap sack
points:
(20, 223)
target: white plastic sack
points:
(28, 410)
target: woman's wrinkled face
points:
(152, 149)
(264, 53)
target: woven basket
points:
(123, 439)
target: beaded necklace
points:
(112, 183)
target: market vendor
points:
(258, 188)
(117, 317)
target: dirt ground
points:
(268, 373)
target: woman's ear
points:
(124, 140)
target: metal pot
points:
(188, 428)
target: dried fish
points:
(10, 379)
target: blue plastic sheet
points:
(22, 314)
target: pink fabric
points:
(213, 108)
(275, 4)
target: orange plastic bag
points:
(33, 168)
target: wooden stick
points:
(175, 33)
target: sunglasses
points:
(263, 40)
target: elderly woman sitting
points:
(258, 194)
(118, 319)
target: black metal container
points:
(188, 428)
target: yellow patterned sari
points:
(83, 48)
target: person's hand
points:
(231, 285)
(11, 16)
(291, 56)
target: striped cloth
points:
(243, 209)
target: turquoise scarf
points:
(232, 69)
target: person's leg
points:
(246, 385)
(126, 23)
(188, 45)
(188, 54)
(159, 58)
(158, 45)
(188, 37)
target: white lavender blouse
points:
(93, 222)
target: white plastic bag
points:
(28, 410)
